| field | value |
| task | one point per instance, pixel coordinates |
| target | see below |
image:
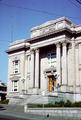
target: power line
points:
(74, 4)
(30, 9)
(37, 10)
(79, 1)
(12, 30)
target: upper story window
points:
(51, 58)
(15, 85)
(16, 66)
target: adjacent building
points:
(3, 91)
(47, 66)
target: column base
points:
(64, 88)
(77, 97)
(78, 89)
(36, 90)
(33, 91)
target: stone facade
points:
(48, 64)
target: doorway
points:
(51, 83)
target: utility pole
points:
(11, 29)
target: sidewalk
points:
(17, 112)
(12, 112)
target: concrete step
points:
(37, 98)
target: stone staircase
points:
(43, 97)
(33, 99)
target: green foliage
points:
(4, 101)
(60, 104)
(49, 105)
(56, 104)
(68, 104)
(34, 105)
(77, 104)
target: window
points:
(15, 85)
(16, 66)
(51, 58)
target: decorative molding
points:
(48, 42)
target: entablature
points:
(59, 39)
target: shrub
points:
(68, 104)
(77, 104)
(57, 104)
(49, 105)
(4, 101)
(34, 105)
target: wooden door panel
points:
(51, 84)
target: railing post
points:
(25, 108)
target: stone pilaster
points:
(58, 55)
(36, 68)
(77, 68)
(64, 64)
(73, 64)
(32, 69)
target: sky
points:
(17, 17)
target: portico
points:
(59, 74)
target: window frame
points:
(51, 58)
(14, 85)
(16, 66)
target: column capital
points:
(64, 44)
(32, 51)
(73, 39)
(37, 50)
(58, 44)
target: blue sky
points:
(17, 17)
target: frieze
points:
(44, 30)
(50, 27)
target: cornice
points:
(17, 49)
(55, 33)
(64, 31)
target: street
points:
(14, 112)
(3, 117)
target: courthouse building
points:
(47, 66)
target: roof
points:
(3, 84)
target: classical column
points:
(64, 64)
(36, 68)
(73, 64)
(32, 69)
(58, 55)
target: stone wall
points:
(65, 112)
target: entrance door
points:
(51, 83)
